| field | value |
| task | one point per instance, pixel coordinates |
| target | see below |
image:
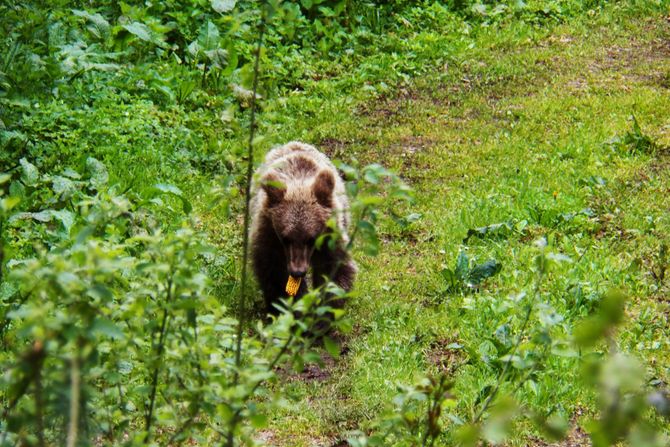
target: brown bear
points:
(295, 192)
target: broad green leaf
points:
(209, 37)
(498, 230)
(174, 191)
(100, 26)
(17, 189)
(98, 172)
(65, 217)
(6, 204)
(332, 347)
(462, 266)
(140, 30)
(125, 367)
(29, 173)
(40, 216)
(370, 176)
(101, 293)
(71, 173)
(222, 6)
(7, 289)
(103, 326)
(63, 187)
(218, 57)
(169, 189)
(449, 278)
(483, 271)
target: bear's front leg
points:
(269, 264)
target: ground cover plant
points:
(520, 298)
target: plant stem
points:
(75, 388)
(247, 196)
(2, 248)
(154, 378)
(236, 416)
(39, 407)
(247, 218)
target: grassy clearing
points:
(520, 120)
(517, 130)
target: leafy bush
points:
(111, 328)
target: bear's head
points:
(299, 213)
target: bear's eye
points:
(285, 240)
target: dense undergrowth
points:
(123, 127)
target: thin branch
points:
(247, 197)
(159, 354)
(39, 407)
(154, 379)
(247, 219)
(75, 389)
(2, 248)
(236, 416)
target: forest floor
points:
(520, 132)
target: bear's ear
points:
(274, 189)
(323, 188)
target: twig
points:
(39, 407)
(247, 196)
(2, 248)
(247, 218)
(159, 354)
(75, 388)
(154, 379)
(236, 416)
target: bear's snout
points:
(297, 273)
(298, 260)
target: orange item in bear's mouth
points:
(292, 285)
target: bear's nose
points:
(297, 273)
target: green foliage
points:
(117, 118)
(416, 419)
(495, 231)
(374, 190)
(468, 276)
(418, 416)
(634, 141)
(117, 315)
(624, 399)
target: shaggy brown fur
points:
(297, 191)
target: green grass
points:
(488, 124)
(517, 129)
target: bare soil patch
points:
(445, 355)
